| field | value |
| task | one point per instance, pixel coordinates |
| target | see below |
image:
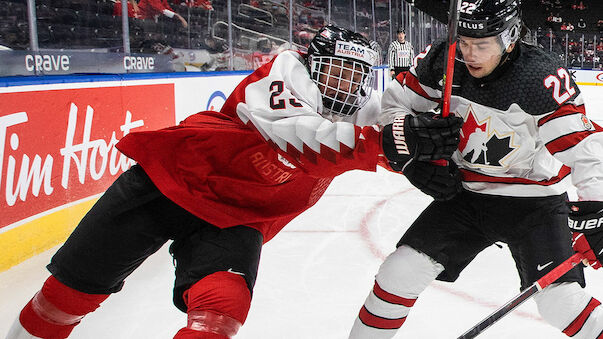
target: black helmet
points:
(485, 18)
(351, 54)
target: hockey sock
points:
(401, 278)
(217, 307)
(56, 309)
(569, 308)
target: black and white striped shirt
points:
(400, 54)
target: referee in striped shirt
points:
(400, 54)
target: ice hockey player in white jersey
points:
(525, 137)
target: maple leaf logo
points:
(470, 126)
(481, 146)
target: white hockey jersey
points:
(525, 128)
(292, 113)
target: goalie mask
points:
(486, 29)
(340, 62)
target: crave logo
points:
(59, 146)
(482, 145)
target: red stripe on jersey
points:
(472, 176)
(577, 324)
(400, 77)
(561, 112)
(413, 83)
(391, 298)
(372, 320)
(567, 141)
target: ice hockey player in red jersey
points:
(220, 184)
(525, 138)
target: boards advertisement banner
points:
(58, 146)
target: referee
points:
(400, 54)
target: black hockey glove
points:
(586, 221)
(423, 137)
(440, 182)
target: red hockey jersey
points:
(266, 158)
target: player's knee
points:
(56, 309)
(217, 306)
(560, 303)
(407, 272)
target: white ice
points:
(315, 275)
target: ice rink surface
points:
(314, 276)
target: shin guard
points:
(568, 307)
(217, 306)
(56, 309)
(401, 278)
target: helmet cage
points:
(345, 84)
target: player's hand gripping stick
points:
(424, 137)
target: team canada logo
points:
(482, 145)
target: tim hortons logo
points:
(34, 172)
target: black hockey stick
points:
(543, 282)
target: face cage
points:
(336, 78)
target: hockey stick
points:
(453, 19)
(543, 282)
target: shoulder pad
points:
(538, 82)
(430, 69)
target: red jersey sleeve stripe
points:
(372, 320)
(472, 176)
(391, 298)
(561, 112)
(577, 324)
(413, 83)
(400, 77)
(567, 141)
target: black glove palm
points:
(440, 182)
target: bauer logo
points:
(215, 101)
(585, 225)
(58, 146)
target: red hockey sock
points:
(187, 333)
(217, 307)
(55, 310)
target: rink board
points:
(58, 135)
